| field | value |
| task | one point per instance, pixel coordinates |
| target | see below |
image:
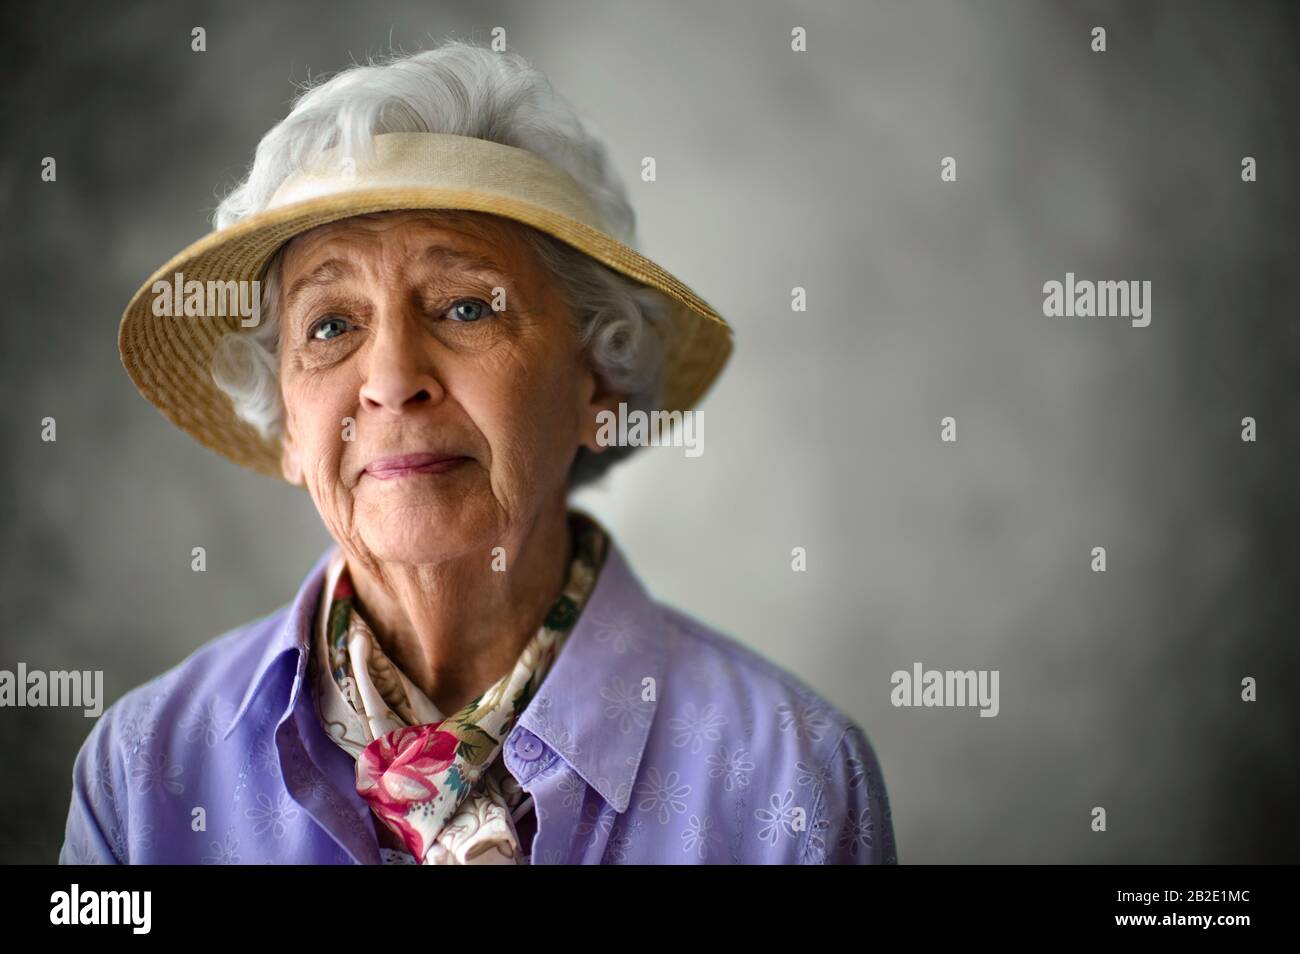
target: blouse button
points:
(529, 747)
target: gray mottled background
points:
(775, 169)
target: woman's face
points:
(425, 424)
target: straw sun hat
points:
(168, 356)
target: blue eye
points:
(475, 312)
(329, 321)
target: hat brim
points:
(169, 357)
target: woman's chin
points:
(427, 533)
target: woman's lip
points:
(386, 468)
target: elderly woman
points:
(419, 306)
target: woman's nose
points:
(399, 372)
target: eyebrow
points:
(335, 269)
(326, 273)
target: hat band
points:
(443, 160)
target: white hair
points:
(465, 90)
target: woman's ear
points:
(290, 465)
(600, 413)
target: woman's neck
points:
(456, 627)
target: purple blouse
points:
(653, 740)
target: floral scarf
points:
(438, 783)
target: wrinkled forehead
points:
(448, 238)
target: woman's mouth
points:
(408, 465)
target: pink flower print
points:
(398, 770)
